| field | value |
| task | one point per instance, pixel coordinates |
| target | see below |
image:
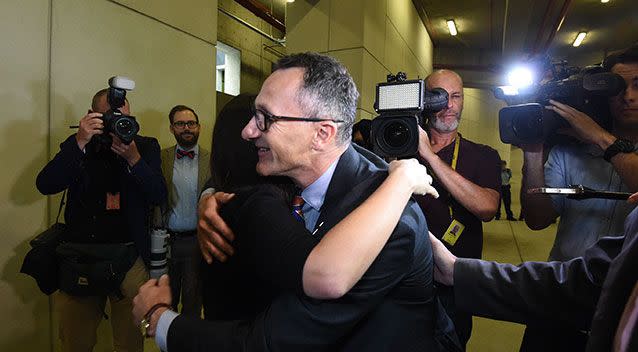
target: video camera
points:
(123, 126)
(584, 89)
(402, 106)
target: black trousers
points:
(184, 273)
(506, 196)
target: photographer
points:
(467, 175)
(604, 161)
(111, 186)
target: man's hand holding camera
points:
(127, 151)
(90, 125)
(583, 127)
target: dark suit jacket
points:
(141, 187)
(557, 293)
(390, 308)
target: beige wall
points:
(55, 54)
(479, 121)
(258, 53)
(24, 37)
(371, 37)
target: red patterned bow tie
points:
(182, 153)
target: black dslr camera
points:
(584, 89)
(123, 126)
(402, 106)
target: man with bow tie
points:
(186, 168)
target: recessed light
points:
(579, 38)
(451, 26)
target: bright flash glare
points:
(520, 77)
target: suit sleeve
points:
(276, 243)
(196, 335)
(297, 322)
(147, 173)
(58, 173)
(536, 292)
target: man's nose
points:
(250, 131)
(630, 94)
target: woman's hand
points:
(413, 175)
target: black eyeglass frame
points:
(183, 124)
(269, 119)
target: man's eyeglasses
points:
(182, 124)
(264, 119)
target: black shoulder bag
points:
(41, 261)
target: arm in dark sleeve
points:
(147, 173)
(58, 173)
(196, 335)
(295, 320)
(536, 291)
(278, 244)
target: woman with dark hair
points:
(274, 255)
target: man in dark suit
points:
(301, 129)
(597, 286)
(111, 188)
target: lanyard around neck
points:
(455, 158)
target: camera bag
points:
(41, 261)
(88, 269)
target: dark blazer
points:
(390, 308)
(141, 186)
(559, 294)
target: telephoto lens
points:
(159, 253)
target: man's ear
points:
(325, 134)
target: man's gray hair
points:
(328, 90)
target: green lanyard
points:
(455, 158)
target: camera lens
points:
(396, 134)
(124, 127)
(159, 251)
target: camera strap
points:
(57, 218)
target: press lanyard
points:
(455, 157)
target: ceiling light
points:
(451, 26)
(604, 1)
(294, 1)
(579, 38)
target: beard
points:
(187, 143)
(442, 126)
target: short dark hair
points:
(627, 55)
(100, 93)
(97, 97)
(178, 108)
(328, 90)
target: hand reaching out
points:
(415, 174)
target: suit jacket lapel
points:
(355, 177)
(203, 168)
